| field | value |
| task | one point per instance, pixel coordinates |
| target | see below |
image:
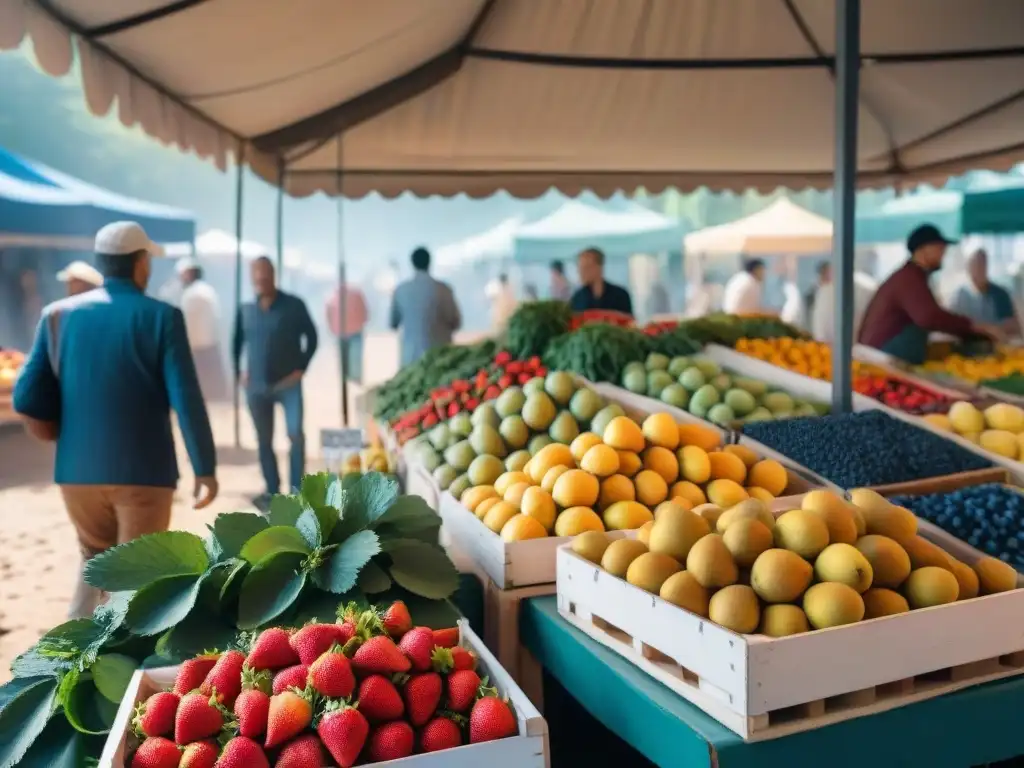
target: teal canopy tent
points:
(995, 208)
(897, 218)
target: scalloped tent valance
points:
(449, 96)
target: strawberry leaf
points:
(314, 488)
(270, 589)
(285, 510)
(112, 673)
(341, 571)
(374, 494)
(373, 579)
(60, 746)
(274, 540)
(85, 708)
(24, 714)
(144, 560)
(407, 513)
(308, 525)
(423, 569)
(334, 495)
(159, 606)
(234, 529)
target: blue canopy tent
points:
(55, 210)
(899, 217)
(995, 207)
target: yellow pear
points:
(676, 530)
(711, 563)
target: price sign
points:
(337, 444)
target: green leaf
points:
(352, 519)
(375, 494)
(61, 746)
(86, 710)
(199, 631)
(407, 512)
(162, 604)
(214, 581)
(316, 604)
(112, 672)
(422, 568)
(269, 589)
(233, 583)
(24, 717)
(285, 510)
(308, 525)
(328, 518)
(279, 538)
(373, 579)
(349, 481)
(335, 491)
(315, 487)
(341, 571)
(234, 529)
(111, 614)
(429, 533)
(146, 559)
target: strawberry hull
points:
(528, 749)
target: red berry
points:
(418, 645)
(156, 752)
(391, 741)
(193, 672)
(197, 719)
(293, 677)
(463, 687)
(272, 650)
(491, 719)
(343, 731)
(379, 700)
(304, 751)
(155, 716)
(252, 708)
(446, 638)
(225, 679)
(241, 752)
(289, 715)
(422, 694)
(396, 619)
(439, 734)
(331, 675)
(313, 640)
(381, 655)
(199, 754)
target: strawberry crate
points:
(527, 750)
(763, 688)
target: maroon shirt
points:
(907, 299)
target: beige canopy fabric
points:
(781, 228)
(448, 96)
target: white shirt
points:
(793, 306)
(823, 314)
(202, 315)
(742, 295)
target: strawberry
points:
(290, 714)
(303, 752)
(439, 734)
(252, 708)
(524, 377)
(156, 752)
(422, 694)
(418, 645)
(241, 752)
(445, 660)
(197, 718)
(380, 655)
(397, 620)
(272, 650)
(391, 741)
(225, 679)
(446, 638)
(293, 677)
(453, 410)
(155, 716)
(491, 392)
(492, 718)
(343, 730)
(313, 640)
(331, 675)
(199, 754)
(379, 700)
(463, 687)
(192, 673)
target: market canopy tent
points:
(899, 217)
(781, 228)
(94, 206)
(576, 226)
(995, 208)
(41, 216)
(495, 244)
(447, 96)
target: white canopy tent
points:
(218, 244)
(781, 228)
(449, 96)
(495, 244)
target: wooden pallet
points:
(801, 717)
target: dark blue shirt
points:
(614, 297)
(120, 362)
(277, 341)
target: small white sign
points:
(337, 444)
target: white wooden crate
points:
(763, 688)
(527, 750)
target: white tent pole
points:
(239, 199)
(280, 218)
(847, 80)
(343, 343)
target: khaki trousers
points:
(107, 515)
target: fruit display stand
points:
(529, 749)
(765, 688)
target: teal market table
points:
(973, 727)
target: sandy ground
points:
(38, 553)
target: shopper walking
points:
(105, 370)
(79, 277)
(425, 311)
(278, 338)
(350, 333)
(201, 308)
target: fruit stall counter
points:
(968, 728)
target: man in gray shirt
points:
(425, 310)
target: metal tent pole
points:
(847, 78)
(280, 219)
(342, 298)
(239, 200)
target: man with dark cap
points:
(904, 310)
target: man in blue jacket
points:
(105, 370)
(279, 340)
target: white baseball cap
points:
(186, 264)
(123, 238)
(79, 270)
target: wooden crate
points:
(763, 688)
(501, 633)
(527, 750)
(420, 482)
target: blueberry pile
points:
(868, 448)
(988, 517)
